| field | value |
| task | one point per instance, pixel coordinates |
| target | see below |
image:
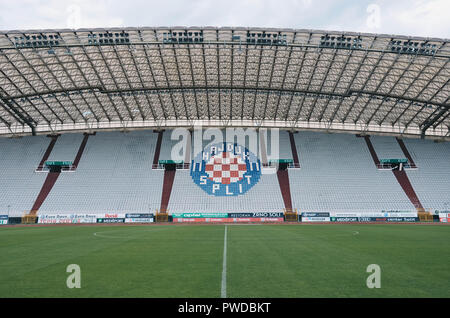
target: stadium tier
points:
(339, 116)
(114, 172)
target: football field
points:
(323, 260)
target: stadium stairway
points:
(158, 149)
(283, 180)
(400, 175)
(403, 180)
(80, 151)
(283, 175)
(169, 177)
(294, 150)
(48, 151)
(406, 152)
(45, 190)
(52, 176)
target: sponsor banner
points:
(344, 214)
(444, 215)
(256, 215)
(188, 220)
(403, 215)
(3, 219)
(315, 219)
(372, 219)
(384, 214)
(374, 214)
(139, 220)
(316, 214)
(402, 219)
(395, 211)
(139, 215)
(218, 220)
(344, 219)
(227, 220)
(111, 220)
(111, 216)
(200, 215)
(272, 219)
(66, 218)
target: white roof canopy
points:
(61, 80)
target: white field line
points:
(223, 291)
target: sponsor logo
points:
(344, 219)
(256, 215)
(111, 220)
(226, 169)
(315, 214)
(199, 215)
(111, 215)
(139, 215)
(315, 219)
(227, 220)
(138, 220)
(67, 218)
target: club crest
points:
(226, 169)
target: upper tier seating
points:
(19, 184)
(431, 180)
(115, 175)
(338, 174)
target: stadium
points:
(193, 162)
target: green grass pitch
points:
(262, 260)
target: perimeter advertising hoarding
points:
(256, 215)
(315, 219)
(3, 219)
(226, 220)
(111, 220)
(139, 218)
(139, 215)
(315, 214)
(402, 219)
(199, 215)
(444, 216)
(344, 219)
(372, 219)
(111, 216)
(66, 218)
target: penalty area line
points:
(223, 290)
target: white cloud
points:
(406, 17)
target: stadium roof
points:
(65, 80)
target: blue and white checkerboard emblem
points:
(226, 169)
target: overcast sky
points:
(429, 18)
